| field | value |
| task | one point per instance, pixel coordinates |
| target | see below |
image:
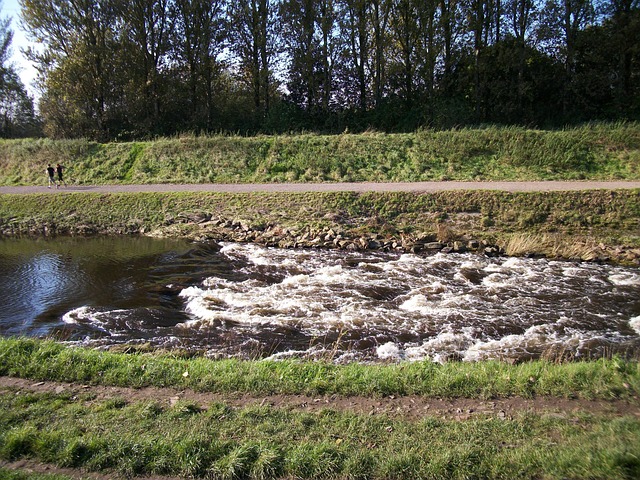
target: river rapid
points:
(249, 301)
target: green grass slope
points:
(595, 151)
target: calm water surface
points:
(253, 302)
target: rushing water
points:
(249, 301)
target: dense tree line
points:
(119, 69)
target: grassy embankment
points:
(555, 224)
(257, 441)
(597, 152)
(558, 224)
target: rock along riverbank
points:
(592, 225)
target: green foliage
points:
(260, 442)
(135, 71)
(7, 474)
(597, 215)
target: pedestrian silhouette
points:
(59, 169)
(51, 172)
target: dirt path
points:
(336, 187)
(410, 407)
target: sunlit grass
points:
(147, 438)
(47, 360)
(184, 439)
(7, 474)
(493, 215)
(593, 151)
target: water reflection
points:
(37, 285)
(45, 279)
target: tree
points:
(17, 115)
(380, 14)
(78, 39)
(199, 40)
(253, 39)
(451, 25)
(327, 24)
(139, 68)
(521, 16)
(405, 31)
(302, 44)
(147, 29)
(624, 25)
(354, 52)
(564, 19)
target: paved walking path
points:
(551, 186)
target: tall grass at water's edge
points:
(595, 151)
(48, 360)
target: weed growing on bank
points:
(570, 225)
(47, 360)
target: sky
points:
(11, 8)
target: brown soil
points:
(538, 186)
(406, 407)
(410, 407)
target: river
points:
(248, 301)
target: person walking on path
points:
(51, 172)
(59, 169)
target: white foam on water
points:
(514, 262)
(471, 263)
(534, 340)
(296, 280)
(416, 303)
(201, 309)
(419, 303)
(287, 354)
(439, 348)
(264, 256)
(459, 302)
(389, 351)
(465, 314)
(330, 274)
(574, 271)
(499, 280)
(635, 324)
(252, 253)
(100, 319)
(625, 279)
(301, 299)
(80, 313)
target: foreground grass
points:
(261, 442)
(149, 438)
(595, 151)
(47, 360)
